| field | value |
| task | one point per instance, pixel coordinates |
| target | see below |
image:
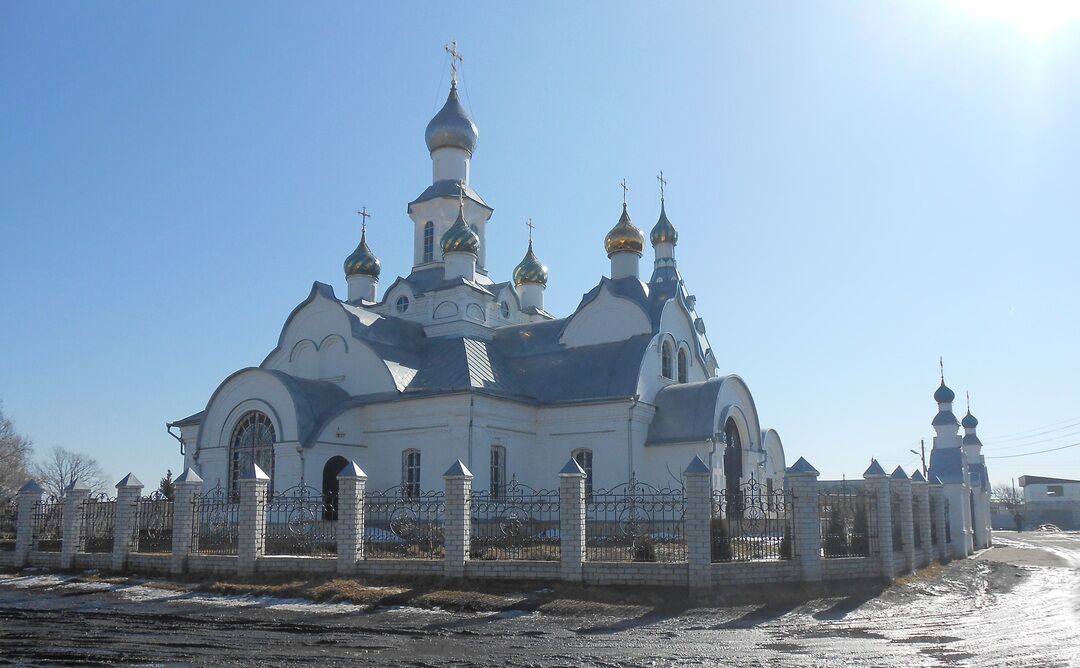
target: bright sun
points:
(1038, 19)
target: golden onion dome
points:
(663, 231)
(530, 270)
(624, 237)
(461, 237)
(362, 262)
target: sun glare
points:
(1038, 19)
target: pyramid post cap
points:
(917, 476)
(253, 472)
(188, 476)
(802, 466)
(458, 470)
(697, 466)
(899, 474)
(31, 487)
(77, 485)
(874, 470)
(129, 481)
(572, 468)
(352, 470)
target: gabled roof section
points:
(448, 188)
(685, 412)
(456, 363)
(948, 465)
(193, 419)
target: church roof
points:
(685, 412)
(947, 464)
(448, 188)
(944, 418)
(971, 439)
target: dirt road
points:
(1015, 604)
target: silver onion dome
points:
(530, 270)
(663, 231)
(452, 127)
(362, 261)
(461, 237)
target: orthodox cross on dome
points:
(364, 215)
(455, 58)
(663, 182)
(531, 227)
(941, 363)
(461, 195)
(968, 395)
(625, 188)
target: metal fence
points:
(751, 523)
(897, 527)
(98, 523)
(301, 521)
(635, 521)
(934, 531)
(916, 525)
(216, 523)
(518, 522)
(847, 523)
(153, 531)
(948, 523)
(49, 524)
(403, 526)
(9, 522)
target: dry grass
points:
(466, 601)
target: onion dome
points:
(530, 270)
(663, 231)
(452, 127)
(944, 395)
(969, 421)
(624, 237)
(461, 237)
(362, 262)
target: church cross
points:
(625, 188)
(663, 182)
(455, 58)
(531, 227)
(364, 215)
(941, 363)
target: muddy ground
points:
(1015, 604)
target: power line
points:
(1025, 454)
(1026, 444)
(1027, 432)
(1038, 433)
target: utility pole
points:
(922, 455)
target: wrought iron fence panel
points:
(752, 523)
(933, 521)
(49, 524)
(635, 521)
(948, 523)
(216, 523)
(848, 526)
(301, 521)
(9, 522)
(897, 527)
(916, 527)
(403, 526)
(153, 524)
(98, 523)
(519, 522)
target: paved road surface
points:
(1016, 604)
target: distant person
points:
(1019, 520)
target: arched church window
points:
(402, 304)
(410, 473)
(584, 459)
(732, 464)
(498, 471)
(665, 360)
(683, 364)
(252, 441)
(429, 241)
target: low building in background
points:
(1051, 501)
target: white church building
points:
(451, 362)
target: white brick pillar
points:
(801, 478)
(29, 498)
(352, 483)
(128, 492)
(571, 521)
(75, 496)
(187, 485)
(877, 484)
(901, 486)
(937, 493)
(696, 521)
(920, 495)
(252, 539)
(458, 481)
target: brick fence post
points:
(877, 484)
(571, 521)
(456, 522)
(352, 483)
(29, 498)
(188, 484)
(937, 493)
(75, 496)
(901, 484)
(920, 496)
(128, 492)
(696, 524)
(802, 479)
(252, 539)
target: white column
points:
(937, 493)
(128, 492)
(74, 498)
(188, 484)
(352, 482)
(802, 479)
(29, 498)
(571, 521)
(877, 484)
(920, 495)
(901, 485)
(456, 522)
(696, 524)
(252, 539)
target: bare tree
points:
(15, 452)
(61, 467)
(1007, 495)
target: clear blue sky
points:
(859, 188)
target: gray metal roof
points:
(450, 189)
(195, 418)
(947, 464)
(971, 439)
(944, 418)
(685, 412)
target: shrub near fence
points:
(635, 522)
(752, 523)
(98, 523)
(302, 521)
(9, 522)
(402, 526)
(517, 522)
(153, 530)
(847, 523)
(49, 524)
(215, 528)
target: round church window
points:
(402, 304)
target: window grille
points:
(252, 441)
(498, 471)
(410, 473)
(429, 241)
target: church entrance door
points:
(330, 472)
